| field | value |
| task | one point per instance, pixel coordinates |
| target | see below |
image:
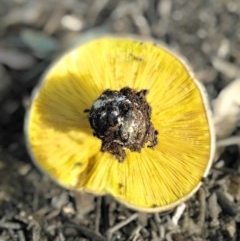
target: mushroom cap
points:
(61, 142)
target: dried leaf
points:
(226, 110)
(40, 43)
(228, 69)
(15, 59)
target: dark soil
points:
(32, 35)
(122, 124)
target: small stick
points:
(120, 225)
(202, 214)
(87, 232)
(178, 213)
(98, 214)
(233, 140)
(227, 170)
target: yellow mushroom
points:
(122, 117)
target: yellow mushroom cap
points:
(61, 141)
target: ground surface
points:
(32, 33)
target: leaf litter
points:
(33, 33)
